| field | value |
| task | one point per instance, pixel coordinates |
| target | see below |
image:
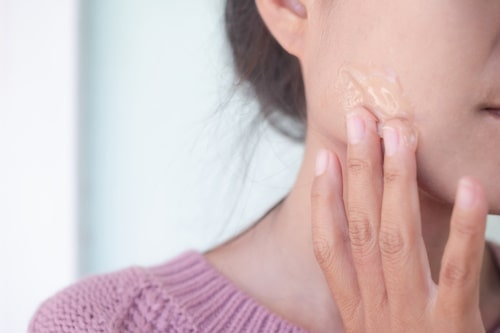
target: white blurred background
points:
(121, 142)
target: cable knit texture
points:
(185, 295)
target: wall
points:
(38, 135)
(162, 160)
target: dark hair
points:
(274, 75)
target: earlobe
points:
(297, 7)
(286, 20)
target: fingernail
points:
(322, 160)
(391, 140)
(355, 128)
(465, 197)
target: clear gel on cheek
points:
(378, 90)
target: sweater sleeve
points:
(126, 301)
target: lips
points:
(493, 110)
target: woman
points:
(358, 245)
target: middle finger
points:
(404, 258)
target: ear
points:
(286, 20)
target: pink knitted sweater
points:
(185, 295)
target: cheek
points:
(441, 85)
(436, 164)
(449, 150)
(324, 115)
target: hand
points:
(371, 249)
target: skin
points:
(395, 214)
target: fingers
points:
(331, 240)
(371, 249)
(463, 257)
(364, 192)
(405, 263)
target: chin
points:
(494, 209)
(493, 201)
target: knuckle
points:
(323, 251)
(317, 199)
(361, 232)
(352, 312)
(455, 275)
(358, 165)
(463, 228)
(316, 193)
(392, 176)
(321, 194)
(391, 243)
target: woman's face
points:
(442, 58)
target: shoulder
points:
(131, 300)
